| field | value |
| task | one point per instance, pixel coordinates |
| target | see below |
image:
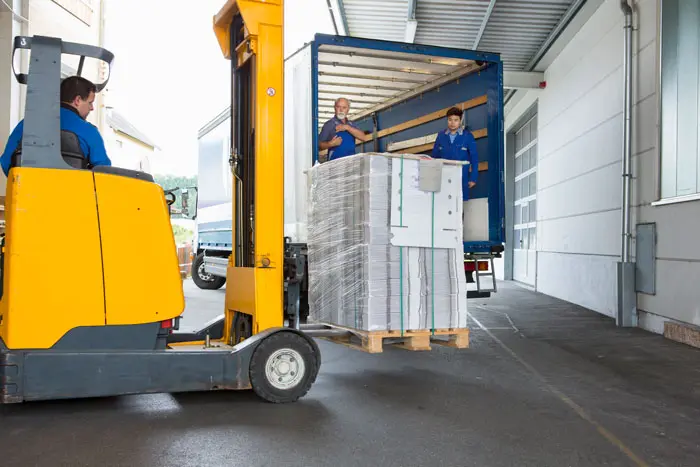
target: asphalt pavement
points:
(544, 383)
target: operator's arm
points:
(329, 144)
(98, 153)
(12, 143)
(473, 159)
(327, 133)
(436, 148)
(327, 139)
(356, 132)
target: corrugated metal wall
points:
(515, 29)
(373, 19)
(449, 23)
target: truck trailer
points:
(399, 94)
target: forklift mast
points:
(250, 34)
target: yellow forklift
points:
(77, 319)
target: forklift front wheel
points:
(283, 367)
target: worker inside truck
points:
(339, 133)
(77, 97)
(458, 144)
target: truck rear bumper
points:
(215, 265)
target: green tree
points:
(182, 234)
(168, 182)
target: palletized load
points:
(385, 244)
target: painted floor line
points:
(607, 434)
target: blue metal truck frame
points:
(490, 149)
(488, 80)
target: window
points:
(680, 98)
(525, 195)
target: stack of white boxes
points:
(385, 254)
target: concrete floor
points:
(545, 383)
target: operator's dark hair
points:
(454, 111)
(74, 86)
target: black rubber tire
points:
(470, 276)
(265, 349)
(214, 284)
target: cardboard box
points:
(384, 254)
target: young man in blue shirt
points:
(338, 134)
(458, 144)
(77, 97)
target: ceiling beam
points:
(411, 22)
(523, 80)
(567, 18)
(484, 22)
(340, 22)
(332, 14)
(569, 14)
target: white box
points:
(364, 275)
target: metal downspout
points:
(626, 271)
(627, 132)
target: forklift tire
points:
(203, 280)
(283, 367)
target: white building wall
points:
(678, 224)
(72, 21)
(69, 20)
(128, 154)
(579, 173)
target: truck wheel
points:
(202, 279)
(470, 276)
(283, 367)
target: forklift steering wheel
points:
(170, 198)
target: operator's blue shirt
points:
(91, 141)
(347, 147)
(459, 147)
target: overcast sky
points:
(169, 77)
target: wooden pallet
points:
(374, 341)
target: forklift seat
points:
(70, 150)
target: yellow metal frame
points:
(258, 291)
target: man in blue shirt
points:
(458, 144)
(77, 98)
(338, 134)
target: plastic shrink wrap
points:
(384, 253)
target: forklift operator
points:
(77, 97)
(338, 134)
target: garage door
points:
(525, 205)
